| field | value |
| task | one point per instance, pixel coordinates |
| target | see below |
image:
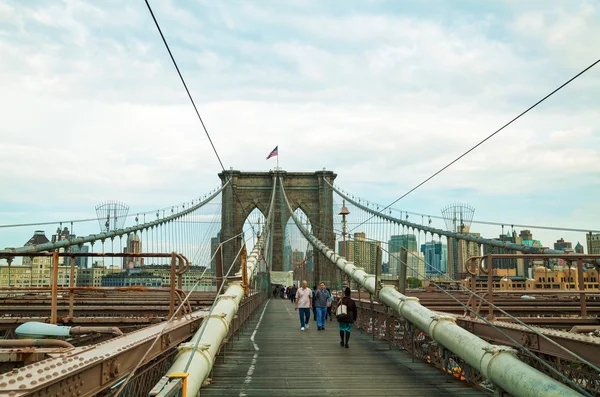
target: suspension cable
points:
(486, 138)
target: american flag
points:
(273, 153)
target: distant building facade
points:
(593, 244)
(364, 253)
(563, 245)
(507, 263)
(435, 254)
(408, 241)
(132, 278)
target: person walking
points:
(314, 308)
(328, 314)
(293, 293)
(322, 300)
(346, 314)
(304, 304)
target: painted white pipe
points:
(499, 364)
(217, 325)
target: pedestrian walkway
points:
(274, 358)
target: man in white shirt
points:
(304, 304)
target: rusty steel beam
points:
(86, 371)
(585, 346)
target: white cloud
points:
(94, 105)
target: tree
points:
(414, 282)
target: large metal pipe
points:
(499, 364)
(7, 343)
(110, 234)
(35, 329)
(214, 329)
(526, 249)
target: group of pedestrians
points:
(321, 303)
(286, 292)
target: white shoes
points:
(302, 329)
(306, 326)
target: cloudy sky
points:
(382, 92)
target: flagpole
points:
(277, 157)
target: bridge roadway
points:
(290, 362)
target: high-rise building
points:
(578, 248)
(364, 253)
(214, 244)
(593, 243)
(287, 257)
(134, 246)
(563, 245)
(435, 254)
(408, 241)
(459, 251)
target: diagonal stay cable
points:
(212, 307)
(194, 105)
(485, 139)
(168, 322)
(184, 84)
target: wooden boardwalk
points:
(290, 362)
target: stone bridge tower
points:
(305, 190)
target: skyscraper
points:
(408, 241)
(134, 246)
(459, 251)
(214, 244)
(435, 254)
(364, 253)
(578, 248)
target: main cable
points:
(486, 139)
(184, 85)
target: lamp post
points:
(343, 212)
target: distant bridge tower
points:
(458, 218)
(306, 190)
(111, 215)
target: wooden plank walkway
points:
(290, 362)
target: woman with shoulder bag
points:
(346, 313)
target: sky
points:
(384, 93)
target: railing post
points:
(54, 302)
(490, 269)
(172, 285)
(581, 287)
(402, 275)
(72, 285)
(219, 264)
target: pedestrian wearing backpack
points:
(322, 301)
(346, 314)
